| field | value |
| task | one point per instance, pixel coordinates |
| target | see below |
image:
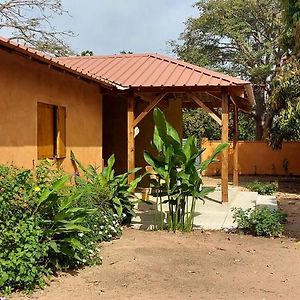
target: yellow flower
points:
(37, 188)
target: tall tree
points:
(284, 105)
(29, 22)
(291, 9)
(240, 37)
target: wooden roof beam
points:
(148, 108)
(209, 110)
(242, 104)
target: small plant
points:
(263, 188)
(178, 182)
(260, 221)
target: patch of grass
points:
(260, 221)
(263, 188)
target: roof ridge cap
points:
(105, 56)
(201, 69)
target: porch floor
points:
(211, 214)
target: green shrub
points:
(62, 221)
(23, 255)
(121, 198)
(104, 225)
(260, 221)
(263, 188)
(48, 224)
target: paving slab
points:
(267, 201)
(243, 200)
(211, 214)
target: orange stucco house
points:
(47, 110)
(99, 105)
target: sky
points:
(110, 26)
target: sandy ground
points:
(200, 265)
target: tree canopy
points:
(291, 9)
(29, 22)
(239, 37)
(284, 104)
(197, 122)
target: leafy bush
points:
(104, 224)
(62, 221)
(23, 255)
(119, 192)
(263, 188)
(260, 221)
(48, 224)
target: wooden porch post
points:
(224, 173)
(130, 136)
(235, 147)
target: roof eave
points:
(52, 62)
(250, 93)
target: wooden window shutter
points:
(61, 132)
(45, 130)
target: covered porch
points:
(173, 86)
(144, 81)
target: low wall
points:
(257, 158)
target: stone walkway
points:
(211, 214)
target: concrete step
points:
(217, 194)
(267, 201)
(244, 200)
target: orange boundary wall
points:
(257, 158)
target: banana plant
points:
(178, 178)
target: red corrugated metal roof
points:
(149, 70)
(42, 57)
(135, 70)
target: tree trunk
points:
(260, 111)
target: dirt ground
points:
(200, 265)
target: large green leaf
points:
(157, 166)
(58, 184)
(68, 201)
(173, 132)
(75, 243)
(160, 123)
(118, 206)
(110, 164)
(157, 142)
(204, 165)
(203, 192)
(133, 184)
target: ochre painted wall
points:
(257, 158)
(24, 83)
